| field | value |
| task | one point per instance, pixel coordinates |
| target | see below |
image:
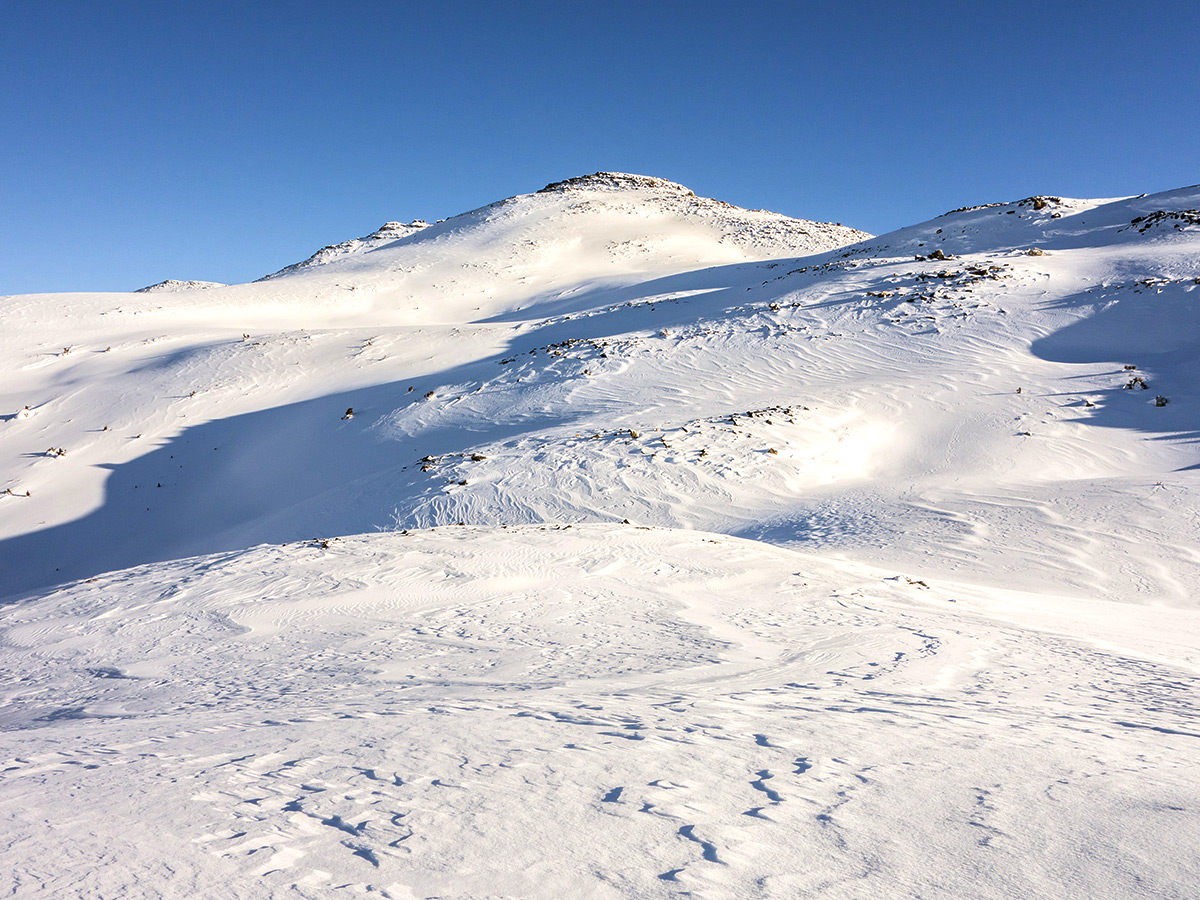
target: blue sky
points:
(221, 141)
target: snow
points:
(387, 233)
(171, 285)
(671, 548)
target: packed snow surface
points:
(615, 542)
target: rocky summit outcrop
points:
(616, 181)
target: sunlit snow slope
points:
(610, 541)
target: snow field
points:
(594, 711)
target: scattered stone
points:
(1179, 218)
(615, 180)
(1040, 203)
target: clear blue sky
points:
(220, 141)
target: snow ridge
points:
(387, 233)
(171, 286)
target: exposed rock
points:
(1040, 202)
(618, 181)
(1179, 218)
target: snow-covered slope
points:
(171, 286)
(387, 233)
(661, 547)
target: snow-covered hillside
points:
(610, 541)
(387, 233)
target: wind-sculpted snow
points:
(464, 563)
(597, 711)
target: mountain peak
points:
(615, 181)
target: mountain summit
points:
(617, 181)
(540, 247)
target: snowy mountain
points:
(611, 541)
